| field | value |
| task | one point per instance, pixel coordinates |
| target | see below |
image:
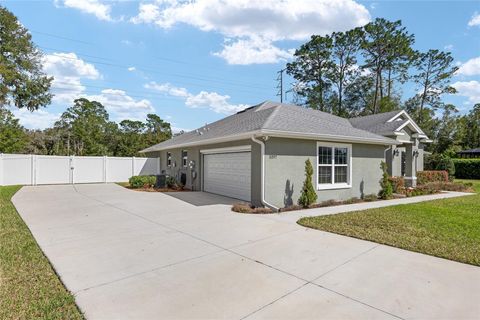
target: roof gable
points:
(388, 123)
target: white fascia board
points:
(404, 125)
(207, 141)
(426, 140)
(280, 134)
(412, 123)
(244, 148)
(327, 137)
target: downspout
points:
(262, 175)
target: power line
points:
(146, 69)
(61, 37)
(108, 59)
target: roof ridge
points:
(377, 114)
(271, 116)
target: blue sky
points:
(193, 63)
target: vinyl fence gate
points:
(26, 169)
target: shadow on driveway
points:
(199, 198)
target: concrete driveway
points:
(127, 254)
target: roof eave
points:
(279, 134)
(328, 137)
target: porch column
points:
(411, 164)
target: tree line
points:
(364, 71)
(83, 129)
(357, 72)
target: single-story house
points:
(258, 154)
(471, 153)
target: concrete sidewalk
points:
(294, 216)
(134, 255)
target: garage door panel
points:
(228, 174)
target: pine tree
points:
(308, 195)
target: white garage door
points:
(227, 174)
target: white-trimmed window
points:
(334, 169)
(184, 158)
(169, 159)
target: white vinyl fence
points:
(26, 169)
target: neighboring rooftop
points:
(470, 151)
(270, 118)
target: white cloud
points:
(470, 68)
(469, 89)
(131, 69)
(475, 20)
(211, 100)
(147, 13)
(448, 47)
(39, 119)
(65, 90)
(247, 21)
(121, 106)
(168, 89)
(95, 7)
(68, 65)
(67, 70)
(251, 51)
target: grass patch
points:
(448, 228)
(29, 287)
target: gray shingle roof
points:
(476, 150)
(274, 117)
(367, 122)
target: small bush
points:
(326, 203)
(142, 181)
(246, 208)
(352, 200)
(424, 177)
(398, 184)
(370, 197)
(386, 191)
(170, 182)
(291, 208)
(467, 168)
(308, 194)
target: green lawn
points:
(448, 228)
(29, 287)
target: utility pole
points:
(280, 84)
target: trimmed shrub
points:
(326, 203)
(398, 184)
(450, 186)
(246, 208)
(142, 181)
(170, 182)
(386, 191)
(424, 177)
(308, 195)
(370, 197)
(440, 162)
(467, 168)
